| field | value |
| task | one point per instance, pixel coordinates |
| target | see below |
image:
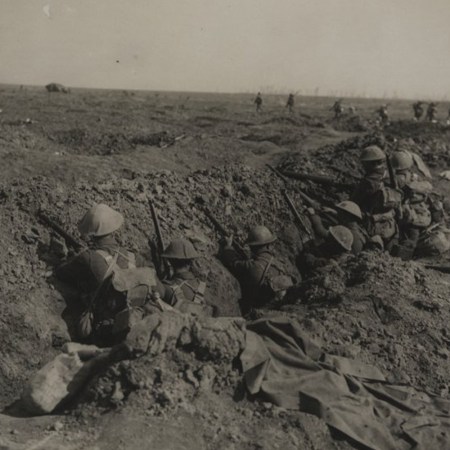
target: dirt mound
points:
(389, 313)
(100, 144)
(355, 123)
(234, 195)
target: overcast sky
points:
(371, 47)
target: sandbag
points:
(55, 382)
(64, 376)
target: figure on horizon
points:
(290, 103)
(337, 108)
(431, 112)
(258, 102)
(418, 110)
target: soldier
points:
(290, 103)
(263, 279)
(377, 201)
(418, 110)
(337, 108)
(383, 113)
(417, 208)
(258, 102)
(337, 243)
(105, 274)
(183, 291)
(431, 112)
(347, 214)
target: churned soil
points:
(62, 153)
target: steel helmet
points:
(260, 235)
(100, 220)
(372, 153)
(402, 160)
(343, 236)
(350, 208)
(180, 249)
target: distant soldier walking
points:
(418, 110)
(337, 108)
(383, 114)
(258, 102)
(431, 112)
(290, 103)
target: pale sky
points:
(371, 47)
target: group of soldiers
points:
(259, 102)
(394, 216)
(382, 112)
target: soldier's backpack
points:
(197, 305)
(135, 284)
(433, 242)
(278, 283)
(383, 225)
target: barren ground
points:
(99, 146)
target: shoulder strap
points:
(177, 288)
(199, 294)
(108, 272)
(128, 256)
(266, 269)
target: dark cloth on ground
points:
(319, 254)
(284, 366)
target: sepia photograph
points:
(224, 225)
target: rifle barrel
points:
(322, 179)
(238, 247)
(60, 230)
(297, 216)
(157, 226)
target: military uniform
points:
(416, 208)
(263, 279)
(183, 291)
(290, 102)
(338, 109)
(258, 102)
(181, 288)
(256, 276)
(87, 270)
(106, 276)
(317, 254)
(377, 202)
(431, 112)
(418, 110)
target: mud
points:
(106, 147)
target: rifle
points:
(394, 182)
(221, 230)
(443, 269)
(306, 198)
(70, 240)
(298, 218)
(322, 179)
(161, 264)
